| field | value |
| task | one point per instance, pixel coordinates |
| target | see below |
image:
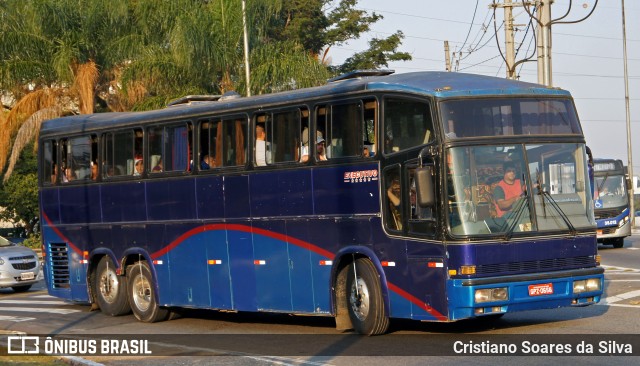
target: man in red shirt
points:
(508, 190)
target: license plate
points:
(27, 276)
(541, 289)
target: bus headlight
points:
(491, 294)
(623, 221)
(591, 284)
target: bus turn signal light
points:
(467, 270)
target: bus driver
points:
(508, 190)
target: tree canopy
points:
(85, 56)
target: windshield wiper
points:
(516, 215)
(555, 205)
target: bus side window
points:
(344, 133)
(278, 137)
(168, 148)
(407, 124)
(369, 129)
(49, 162)
(118, 153)
(231, 150)
(393, 199)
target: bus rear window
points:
(508, 117)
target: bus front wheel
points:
(617, 242)
(142, 295)
(364, 299)
(110, 289)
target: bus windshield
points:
(610, 191)
(508, 117)
(517, 189)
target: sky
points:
(587, 57)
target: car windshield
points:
(507, 190)
(4, 242)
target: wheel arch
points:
(344, 258)
(132, 256)
(92, 266)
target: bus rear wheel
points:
(364, 299)
(110, 289)
(142, 295)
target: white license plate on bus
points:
(27, 276)
(541, 289)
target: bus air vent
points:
(360, 74)
(193, 98)
(58, 261)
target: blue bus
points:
(372, 197)
(611, 201)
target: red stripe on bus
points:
(57, 231)
(246, 229)
(416, 301)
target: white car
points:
(19, 266)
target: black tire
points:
(364, 302)
(142, 295)
(110, 289)
(617, 243)
(19, 289)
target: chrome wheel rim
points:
(359, 299)
(141, 293)
(109, 285)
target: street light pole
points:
(246, 48)
(626, 102)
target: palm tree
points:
(64, 57)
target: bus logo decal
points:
(361, 176)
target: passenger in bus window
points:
(94, 171)
(139, 166)
(393, 193)
(263, 155)
(68, 175)
(508, 191)
(207, 162)
(55, 173)
(158, 167)
(321, 149)
(366, 153)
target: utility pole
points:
(544, 42)
(447, 56)
(626, 101)
(510, 54)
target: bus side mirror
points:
(424, 187)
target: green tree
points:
(380, 52)
(19, 194)
(61, 57)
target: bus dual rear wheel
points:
(364, 299)
(142, 295)
(110, 289)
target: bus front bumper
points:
(498, 295)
